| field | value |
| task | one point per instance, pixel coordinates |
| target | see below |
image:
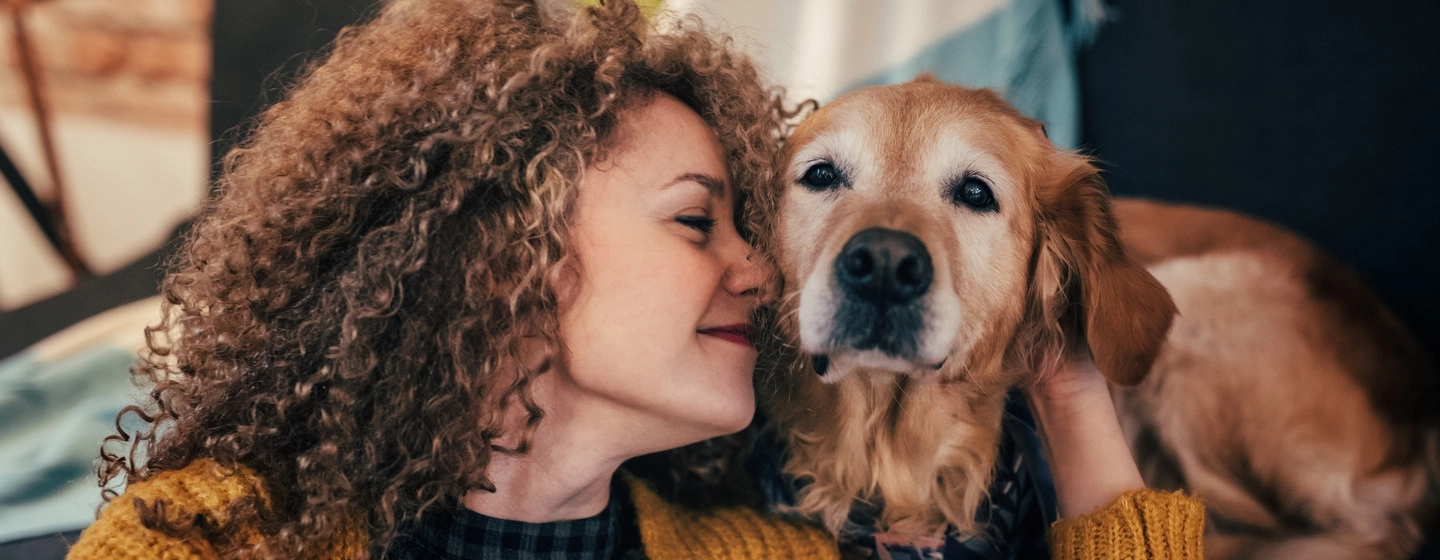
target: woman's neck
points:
(540, 487)
(567, 472)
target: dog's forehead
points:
(894, 125)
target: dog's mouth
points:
(821, 364)
(893, 330)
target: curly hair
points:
(339, 317)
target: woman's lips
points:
(742, 334)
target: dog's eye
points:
(974, 193)
(821, 177)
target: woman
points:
(466, 220)
(472, 263)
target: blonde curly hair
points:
(380, 247)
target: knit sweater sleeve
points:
(670, 532)
(1140, 524)
(200, 488)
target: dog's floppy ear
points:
(1084, 282)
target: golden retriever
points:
(937, 250)
(1287, 396)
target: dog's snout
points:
(884, 266)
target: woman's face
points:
(657, 330)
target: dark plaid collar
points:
(460, 534)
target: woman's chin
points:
(738, 421)
(734, 415)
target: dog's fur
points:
(1015, 291)
(1288, 397)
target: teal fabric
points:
(53, 416)
(1025, 51)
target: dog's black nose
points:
(884, 266)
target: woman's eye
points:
(974, 193)
(702, 224)
(821, 177)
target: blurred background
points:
(1319, 116)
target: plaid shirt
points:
(458, 533)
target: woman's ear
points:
(1100, 298)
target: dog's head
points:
(933, 231)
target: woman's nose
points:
(751, 274)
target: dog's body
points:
(937, 251)
(1287, 396)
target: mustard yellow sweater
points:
(1140, 524)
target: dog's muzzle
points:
(882, 275)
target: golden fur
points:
(1287, 396)
(1014, 292)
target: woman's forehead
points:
(670, 137)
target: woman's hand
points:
(1089, 459)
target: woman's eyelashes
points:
(698, 222)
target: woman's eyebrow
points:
(714, 184)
